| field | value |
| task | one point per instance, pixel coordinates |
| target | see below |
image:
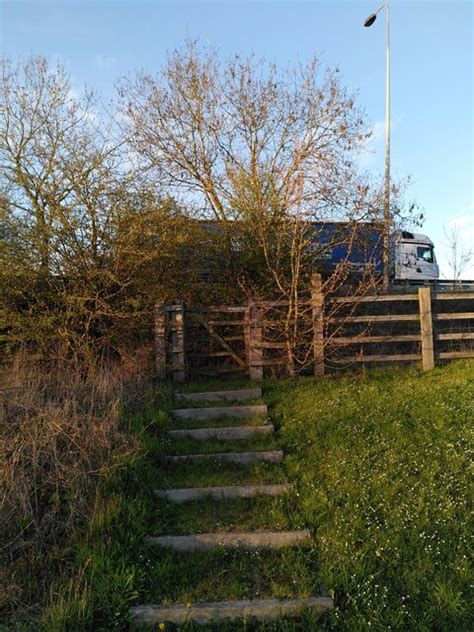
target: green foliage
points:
(100, 304)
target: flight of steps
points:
(149, 616)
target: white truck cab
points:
(414, 258)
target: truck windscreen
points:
(425, 253)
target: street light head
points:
(370, 20)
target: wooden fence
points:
(330, 332)
(424, 326)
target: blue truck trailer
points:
(359, 245)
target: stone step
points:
(203, 613)
(216, 412)
(242, 394)
(221, 493)
(248, 541)
(242, 458)
(225, 433)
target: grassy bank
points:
(380, 462)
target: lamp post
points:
(386, 213)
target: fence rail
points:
(419, 326)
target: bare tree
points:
(459, 254)
(245, 135)
(43, 131)
(266, 154)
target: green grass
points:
(188, 445)
(220, 575)
(205, 516)
(218, 474)
(380, 462)
(307, 622)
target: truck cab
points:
(414, 258)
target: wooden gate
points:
(214, 340)
(208, 341)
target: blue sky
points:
(432, 69)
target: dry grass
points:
(60, 432)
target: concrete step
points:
(241, 395)
(203, 613)
(230, 433)
(242, 458)
(221, 493)
(248, 541)
(216, 412)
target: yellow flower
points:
(378, 554)
(162, 626)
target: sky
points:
(432, 70)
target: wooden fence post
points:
(426, 327)
(317, 306)
(160, 341)
(246, 329)
(177, 342)
(253, 336)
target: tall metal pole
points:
(386, 215)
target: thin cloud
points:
(367, 156)
(372, 153)
(465, 223)
(104, 62)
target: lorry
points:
(360, 246)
